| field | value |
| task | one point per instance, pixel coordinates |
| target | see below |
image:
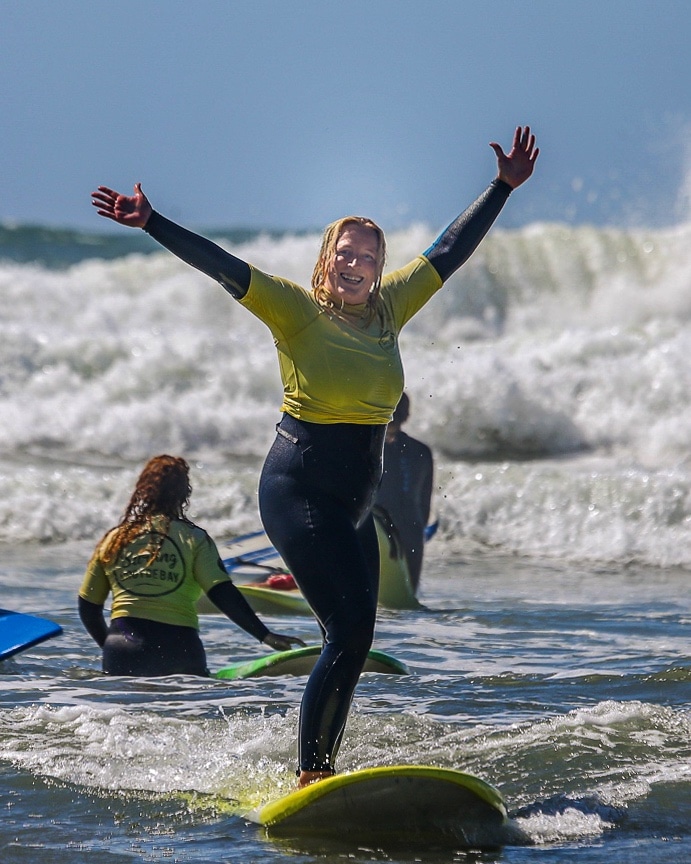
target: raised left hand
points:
(516, 166)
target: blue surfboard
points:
(19, 632)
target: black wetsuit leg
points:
(315, 495)
(149, 649)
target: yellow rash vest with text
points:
(335, 366)
(159, 575)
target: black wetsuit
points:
(315, 495)
(145, 648)
(317, 487)
(149, 649)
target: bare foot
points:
(308, 777)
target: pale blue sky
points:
(291, 113)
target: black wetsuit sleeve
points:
(457, 243)
(231, 272)
(91, 615)
(231, 602)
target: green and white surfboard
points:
(300, 661)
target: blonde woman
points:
(342, 378)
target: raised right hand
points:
(132, 210)
(516, 166)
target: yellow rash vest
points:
(336, 366)
(158, 576)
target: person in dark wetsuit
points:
(156, 564)
(405, 493)
(342, 377)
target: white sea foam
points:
(551, 377)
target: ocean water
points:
(551, 657)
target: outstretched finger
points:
(103, 209)
(531, 149)
(98, 198)
(107, 213)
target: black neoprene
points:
(232, 273)
(315, 493)
(232, 603)
(91, 616)
(461, 238)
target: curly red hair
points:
(163, 489)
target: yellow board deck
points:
(395, 805)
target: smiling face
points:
(354, 265)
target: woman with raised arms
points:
(342, 378)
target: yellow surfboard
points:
(392, 806)
(395, 585)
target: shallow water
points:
(567, 688)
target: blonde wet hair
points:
(330, 238)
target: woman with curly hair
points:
(342, 378)
(156, 563)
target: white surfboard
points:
(395, 585)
